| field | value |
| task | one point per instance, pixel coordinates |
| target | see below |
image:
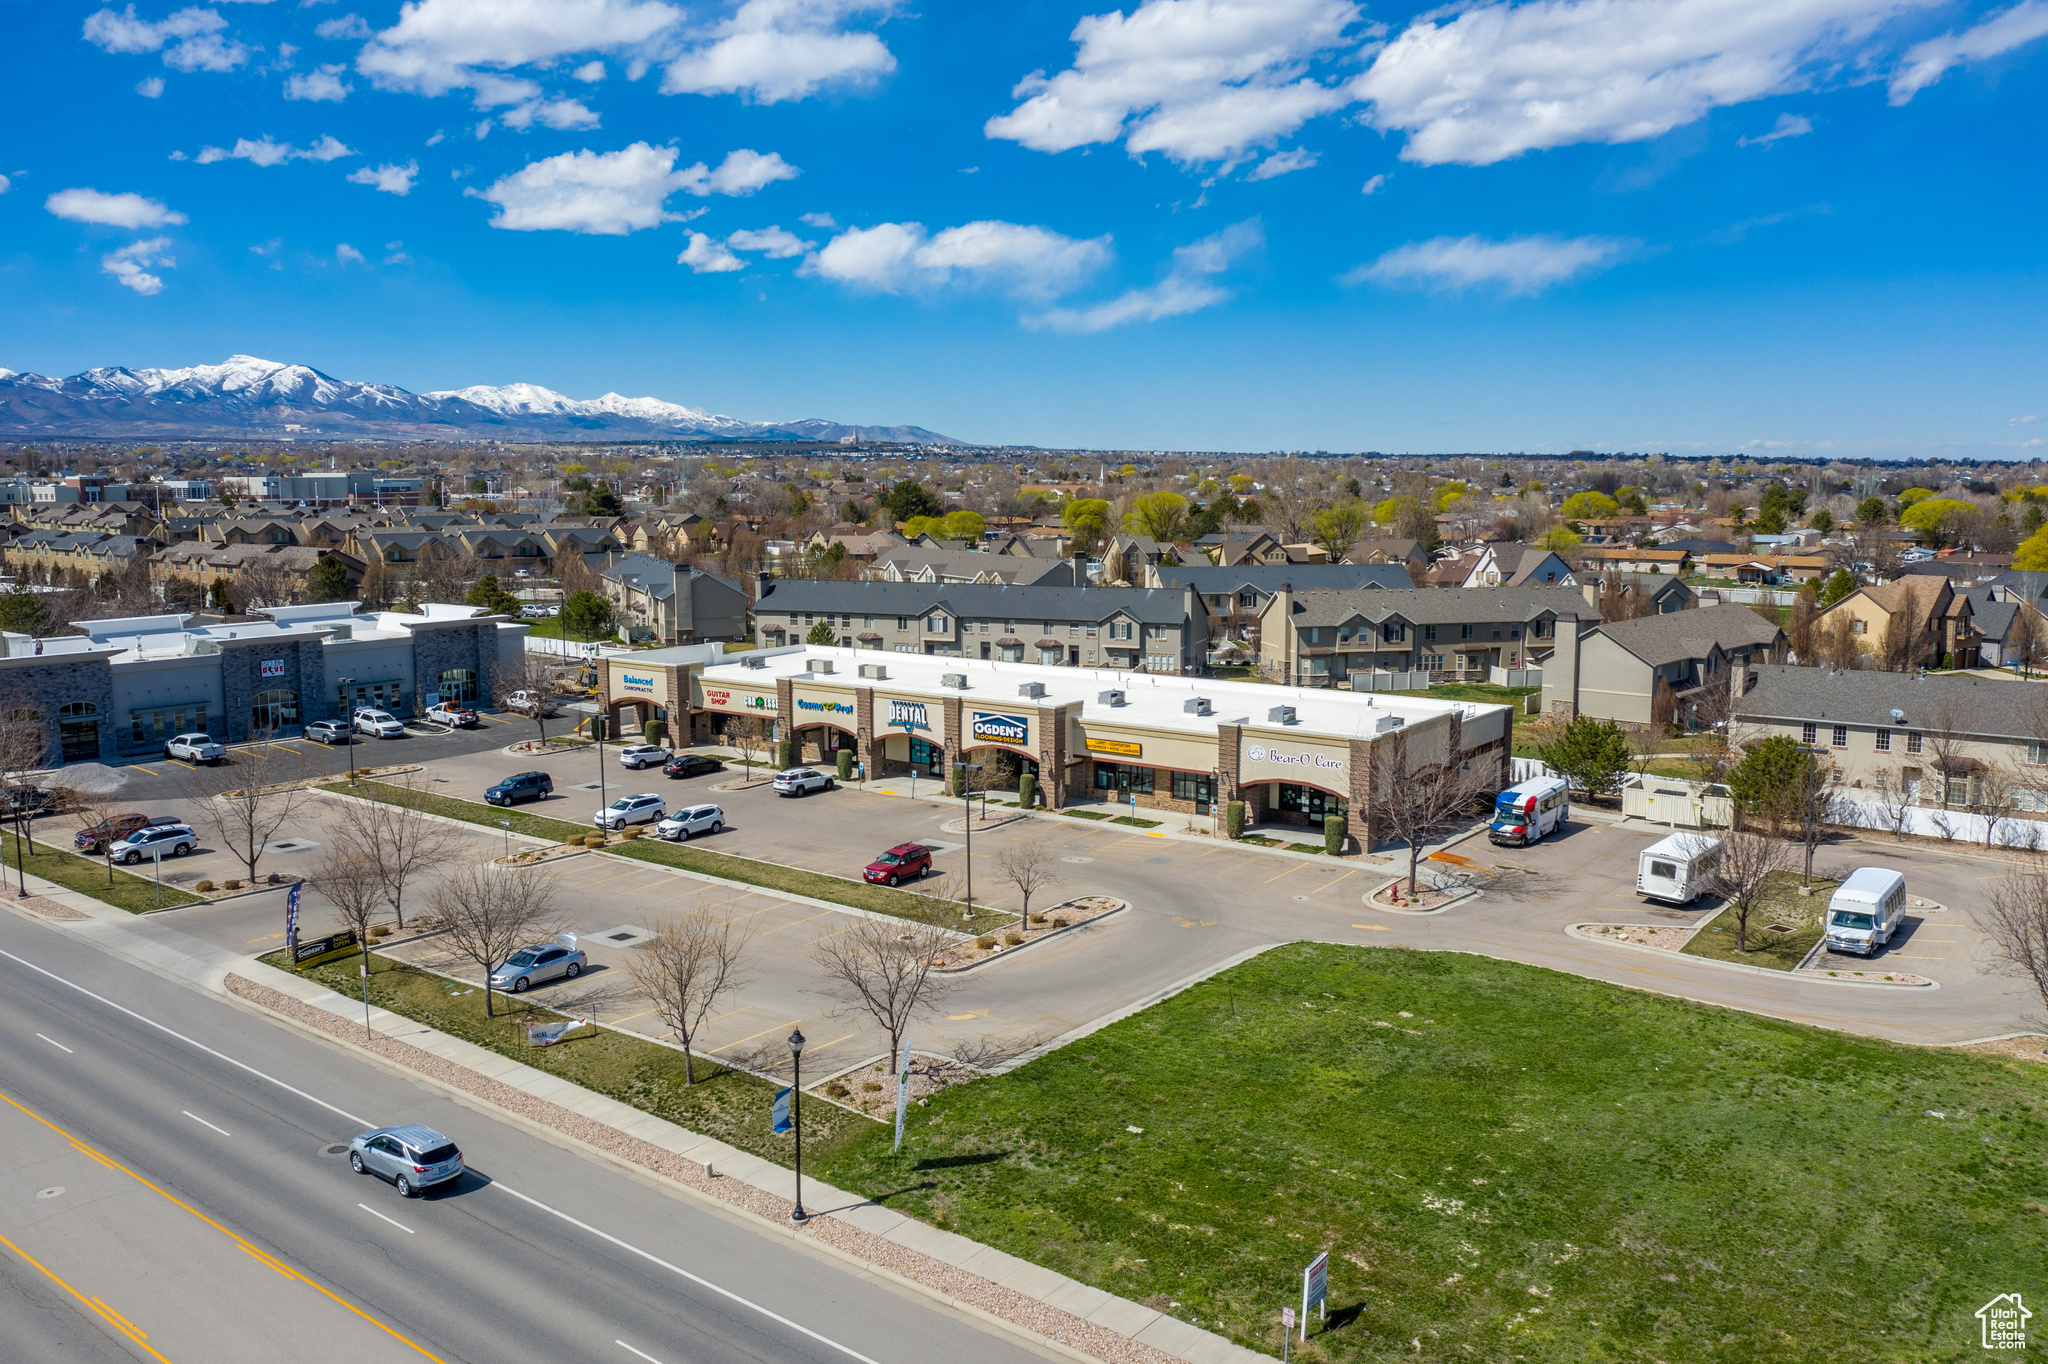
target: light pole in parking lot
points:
(348, 728)
(967, 805)
(506, 825)
(796, 1116)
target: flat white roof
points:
(1151, 700)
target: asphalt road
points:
(200, 1216)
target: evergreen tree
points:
(821, 633)
(328, 581)
(25, 612)
(1591, 754)
(586, 615)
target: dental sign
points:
(999, 729)
(908, 715)
(273, 667)
(636, 683)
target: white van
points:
(1522, 814)
(1676, 869)
(1866, 910)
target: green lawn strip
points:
(88, 876)
(1484, 692)
(1532, 1166)
(899, 904)
(1782, 905)
(730, 1105)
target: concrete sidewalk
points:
(157, 946)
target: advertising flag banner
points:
(547, 1034)
(781, 1112)
(902, 1092)
(291, 917)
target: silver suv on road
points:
(413, 1156)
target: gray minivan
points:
(413, 1156)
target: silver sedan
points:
(536, 965)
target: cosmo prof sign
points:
(991, 727)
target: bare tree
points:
(397, 840)
(349, 883)
(693, 959)
(888, 967)
(1748, 860)
(1419, 806)
(749, 734)
(1030, 867)
(492, 913)
(233, 802)
(1906, 641)
(1892, 811)
(1837, 641)
(2016, 920)
(439, 575)
(93, 808)
(528, 687)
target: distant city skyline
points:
(1730, 228)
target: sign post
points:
(1315, 1290)
(1286, 1331)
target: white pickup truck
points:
(195, 748)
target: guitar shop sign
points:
(725, 699)
(273, 667)
(1293, 761)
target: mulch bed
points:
(1075, 912)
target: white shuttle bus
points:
(1676, 869)
(1866, 910)
(1525, 813)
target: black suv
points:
(521, 786)
(692, 765)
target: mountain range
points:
(248, 398)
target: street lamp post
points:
(967, 807)
(349, 727)
(506, 825)
(796, 1116)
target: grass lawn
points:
(730, 1105)
(1132, 820)
(900, 904)
(1484, 692)
(88, 876)
(1781, 905)
(1532, 1166)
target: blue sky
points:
(1812, 226)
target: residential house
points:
(1940, 620)
(1389, 550)
(655, 601)
(258, 531)
(1651, 669)
(1264, 547)
(1235, 598)
(201, 563)
(1142, 629)
(911, 564)
(1127, 559)
(1666, 561)
(1516, 565)
(48, 555)
(1659, 592)
(1697, 547)
(1765, 569)
(1323, 637)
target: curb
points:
(1459, 897)
(1575, 931)
(1009, 952)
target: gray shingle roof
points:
(1440, 605)
(1151, 606)
(1679, 635)
(960, 563)
(1972, 705)
(1212, 581)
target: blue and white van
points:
(1525, 813)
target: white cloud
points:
(1281, 163)
(1518, 265)
(392, 179)
(324, 83)
(707, 257)
(771, 241)
(1374, 185)
(1028, 262)
(1928, 62)
(1200, 80)
(590, 73)
(562, 114)
(435, 140)
(150, 87)
(606, 193)
(5, 184)
(1188, 287)
(345, 28)
(348, 255)
(743, 171)
(773, 50)
(264, 152)
(189, 39)
(2023, 421)
(822, 221)
(111, 210)
(442, 45)
(1788, 125)
(132, 263)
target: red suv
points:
(900, 863)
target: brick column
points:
(955, 726)
(1052, 755)
(1226, 763)
(1363, 774)
(785, 701)
(864, 731)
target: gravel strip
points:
(1668, 937)
(975, 1291)
(50, 909)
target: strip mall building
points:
(1293, 755)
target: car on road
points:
(903, 862)
(691, 765)
(531, 703)
(801, 781)
(637, 756)
(454, 715)
(113, 830)
(195, 748)
(380, 724)
(690, 819)
(169, 840)
(644, 808)
(413, 1157)
(520, 786)
(326, 731)
(531, 966)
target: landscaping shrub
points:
(593, 840)
(232, 885)
(573, 841)
(632, 831)
(1333, 834)
(845, 764)
(785, 753)
(835, 1090)
(1060, 922)
(1038, 918)
(1012, 938)
(203, 887)
(653, 732)
(985, 941)
(1233, 819)
(1027, 791)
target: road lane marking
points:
(204, 1123)
(119, 1321)
(1376, 928)
(374, 1213)
(1289, 872)
(58, 1045)
(140, 768)
(642, 1353)
(266, 937)
(684, 1273)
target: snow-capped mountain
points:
(250, 397)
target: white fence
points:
(1516, 677)
(1776, 596)
(1389, 681)
(1528, 769)
(1958, 826)
(1681, 804)
(572, 648)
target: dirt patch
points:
(872, 1089)
(1667, 937)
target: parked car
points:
(691, 765)
(637, 756)
(96, 839)
(453, 714)
(169, 840)
(691, 819)
(520, 786)
(903, 862)
(327, 731)
(30, 800)
(380, 724)
(801, 781)
(530, 703)
(537, 965)
(641, 809)
(195, 748)
(533, 611)
(413, 1157)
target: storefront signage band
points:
(829, 707)
(1257, 753)
(908, 715)
(632, 682)
(1118, 747)
(993, 727)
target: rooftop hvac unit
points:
(819, 665)
(874, 671)
(1109, 698)
(1196, 705)
(956, 681)
(1281, 715)
(1387, 722)
(1032, 689)
(753, 662)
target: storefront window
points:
(1120, 777)
(1310, 801)
(270, 711)
(924, 753)
(458, 685)
(1195, 787)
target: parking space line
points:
(58, 1045)
(1289, 872)
(140, 768)
(187, 766)
(751, 1036)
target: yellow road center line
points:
(94, 1303)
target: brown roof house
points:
(1912, 622)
